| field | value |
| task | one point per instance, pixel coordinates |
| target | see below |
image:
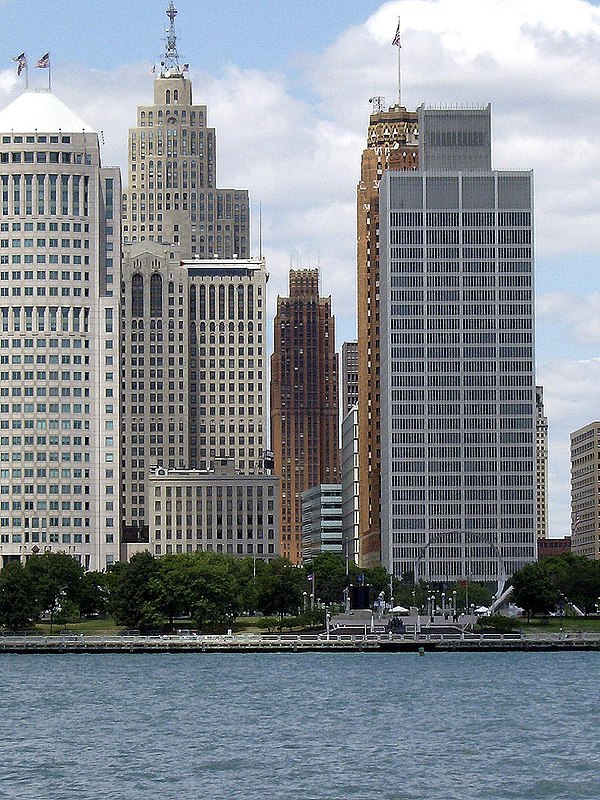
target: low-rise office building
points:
(218, 510)
(321, 520)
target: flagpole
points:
(49, 75)
(399, 67)
(26, 76)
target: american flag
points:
(396, 39)
(43, 62)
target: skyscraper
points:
(172, 194)
(585, 491)
(304, 400)
(194, 384)
(349, 376)
(458, 391)
(541, 480)
(59, 366)
(392, 143)
(193, 301)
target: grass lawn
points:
(554, 624)
(86, 626)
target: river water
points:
(447, 726)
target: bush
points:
(495, 624)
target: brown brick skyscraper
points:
(392, 144)
(304, 400)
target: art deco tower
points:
(59, 364)
(193, 303)
(304, 401)
(392, 143)
(172, 195)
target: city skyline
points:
(299, 154)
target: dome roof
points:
(40, 110)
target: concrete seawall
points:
(373, 643)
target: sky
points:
(287, 86)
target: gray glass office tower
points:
(457, 336)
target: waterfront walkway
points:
(338, 642)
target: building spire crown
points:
(171, 61)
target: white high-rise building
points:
(60, 237)
(458, 391)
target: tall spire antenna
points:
(171, 57)
(260, 250)
(397, 43)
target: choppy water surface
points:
(333, 726)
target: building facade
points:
(585, 491)
(392, 143)
(304, 400)
(349, 376)
(193, 367)
(60, 240)
(218, 510)
(321, 521)
(548, 548)
(349, 478)
(172, 194)
(458, 393)
(541, 460)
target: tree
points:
(17, 604)
(279, 587)
(55, 579)
(133, 600)
(477, 594)
(534, 590)
(577, 579)
(330, 578)
(94, 594)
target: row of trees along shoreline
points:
(211, 590)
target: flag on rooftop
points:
(396, 39)
(43, 62)
(153, 70)
(21, 61)
(185, 68)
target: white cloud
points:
(577, 315)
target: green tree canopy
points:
(279, 587)
(133, 600)
(330, 578)
(17, 603)
(55, 580)
(534, 590)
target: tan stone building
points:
(193, 367)
(541, 462)
(304, 401)
(172, 193)
(585, 491)
(392, 143)
(217, 510)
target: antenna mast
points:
(171, 57)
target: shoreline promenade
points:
(287, 643)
